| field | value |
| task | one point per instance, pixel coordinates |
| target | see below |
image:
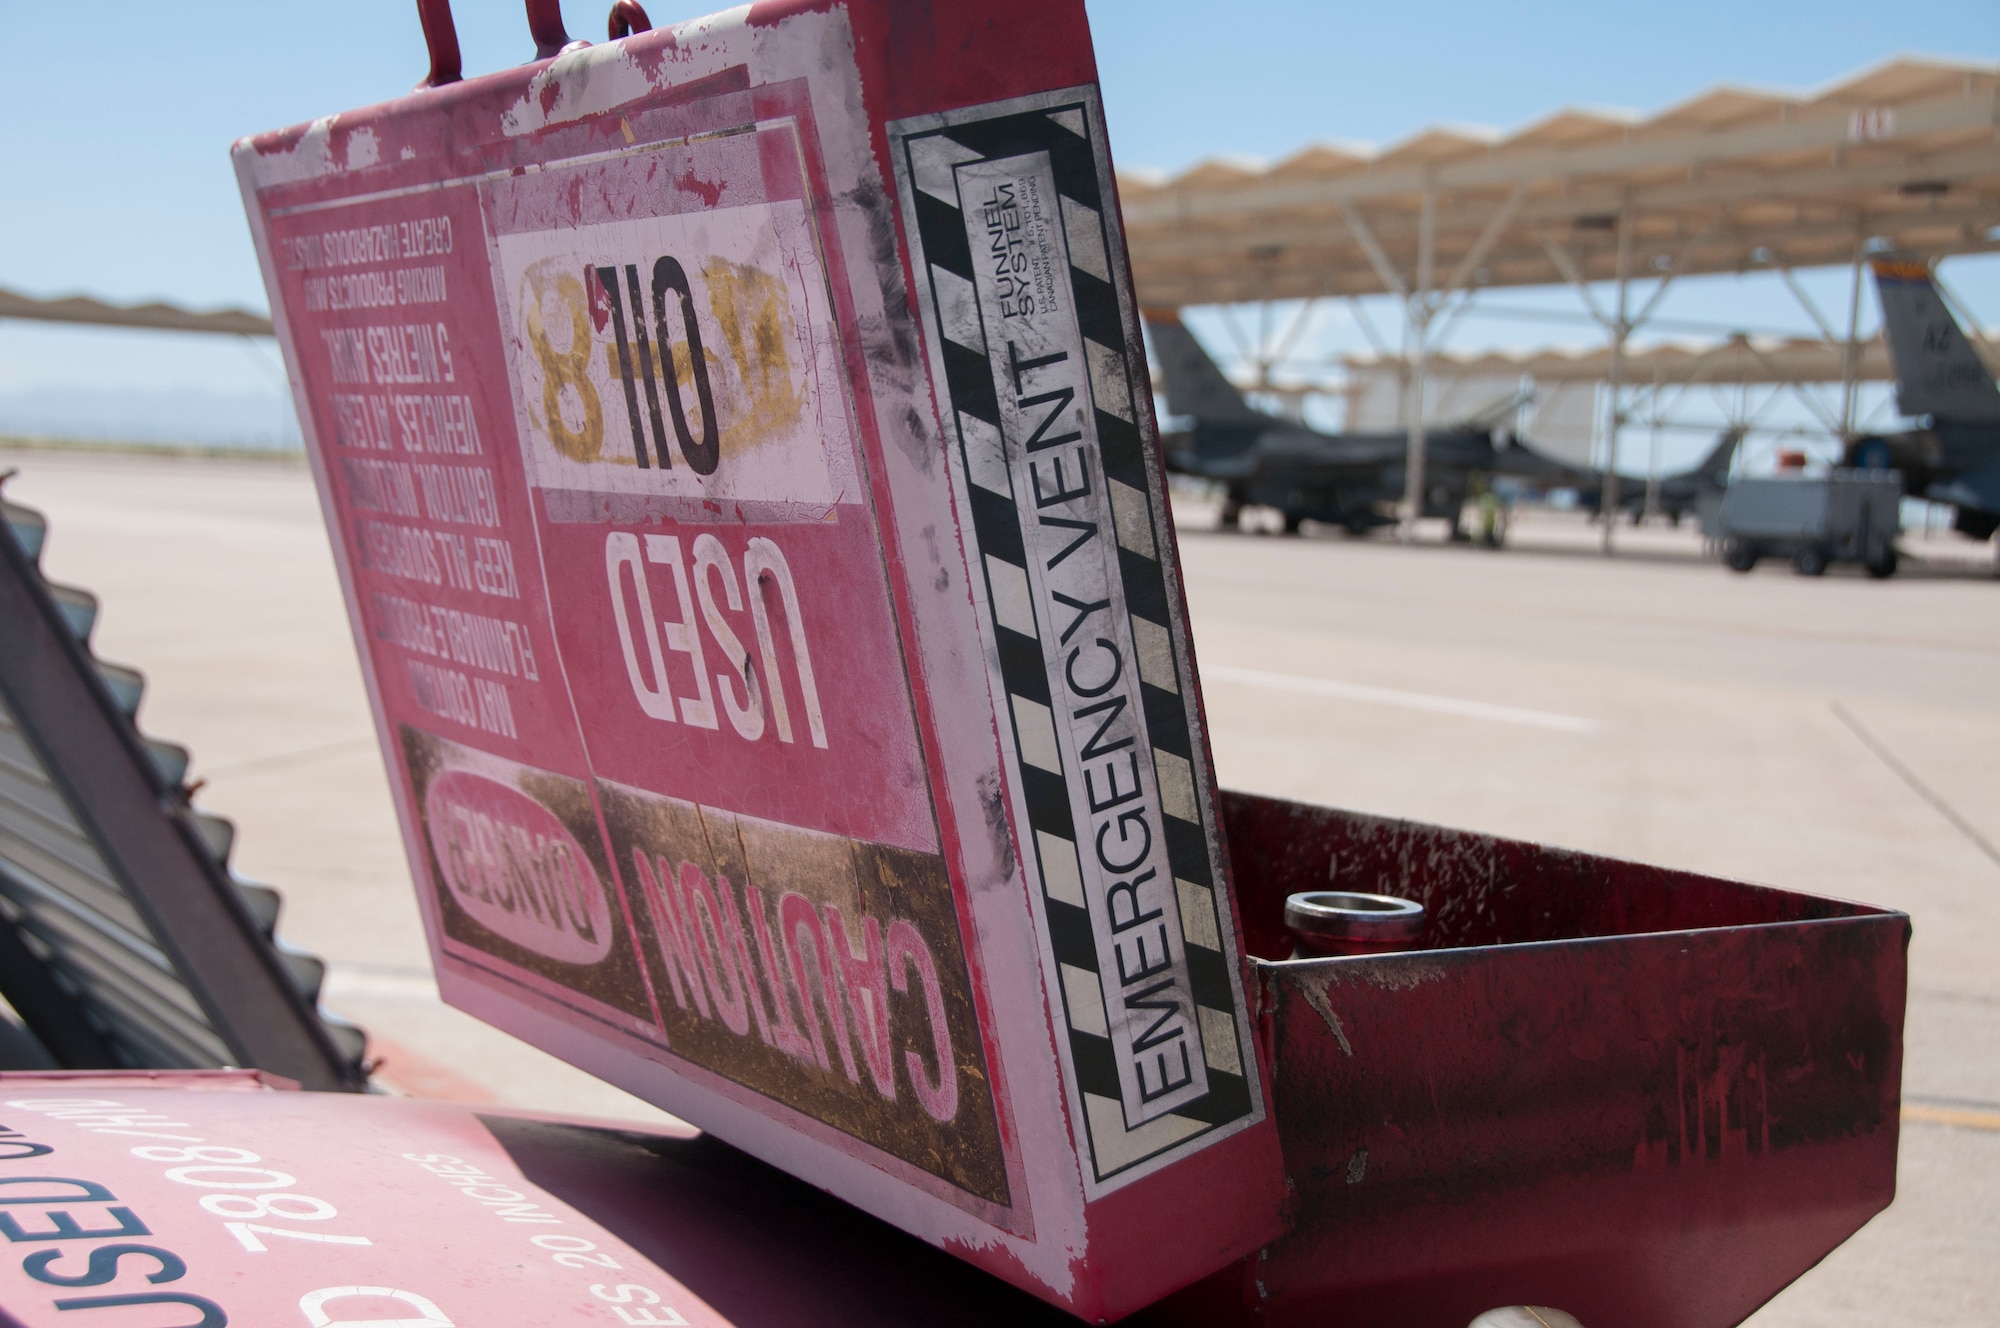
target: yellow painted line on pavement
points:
(1959, 1116)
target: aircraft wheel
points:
(1884, 565)
(1741, 556)
(1810, 561)
(1293, 523)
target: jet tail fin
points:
(1937, 371)
(1714, 468)
(1193, 382)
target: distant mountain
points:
(254, 421)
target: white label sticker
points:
(690, 355)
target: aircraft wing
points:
(1522, 460)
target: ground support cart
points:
(1849, 516)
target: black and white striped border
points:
(1068, 127)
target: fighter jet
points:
(1356, 480)
(1352, 480)
(1680, 493)
(1956, 458)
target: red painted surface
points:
(1644, 1097)
(1652, 1127)
(211, 1199)
(464, 1211)
(545, 25)
(441, 38)
(627, 17)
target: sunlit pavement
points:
(1835, 735)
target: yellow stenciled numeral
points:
(749, 305)
(569, 368)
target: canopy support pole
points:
(1850, 350)
(1784, 270)
(1270, 353)
(1419, 324)
(1372, 247)
(1607, 493)
(1367, 326)
(1468, 267)
(1653, 450)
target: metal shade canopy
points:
(152, 317)
(1908, 150)
(1740, 359)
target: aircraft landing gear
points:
(1293, 523)
(1231, 516)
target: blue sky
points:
(115, 150)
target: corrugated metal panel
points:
(76, 916)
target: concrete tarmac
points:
(1833, 735)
